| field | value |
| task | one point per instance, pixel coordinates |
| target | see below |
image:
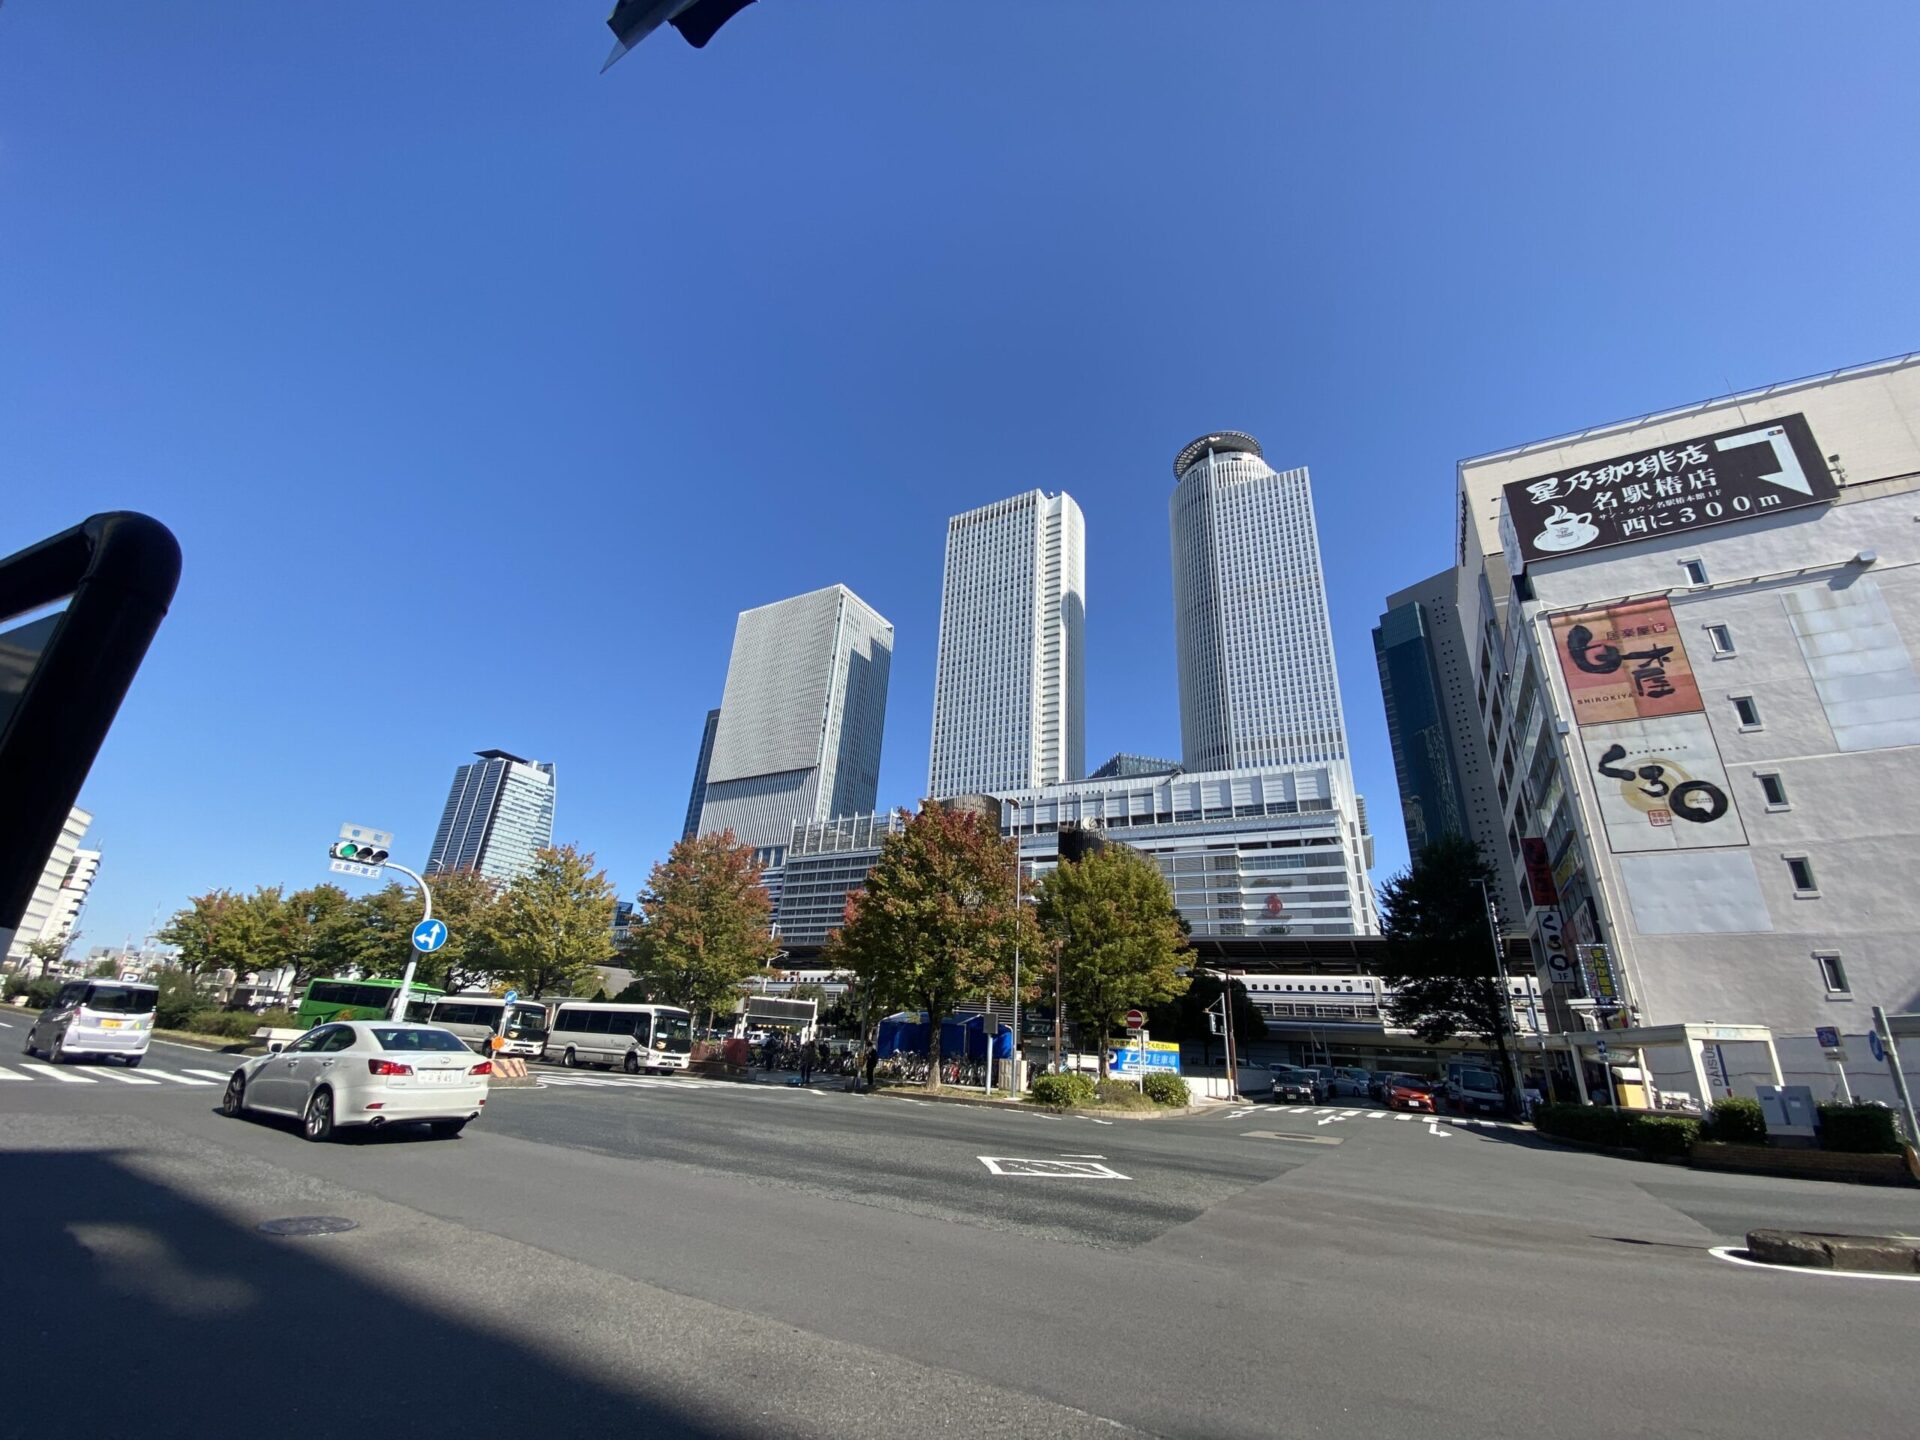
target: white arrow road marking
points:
(1241, 1113)
(1433, 1128)
(1330, 1120)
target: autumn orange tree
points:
(705, 924)
(937, 923)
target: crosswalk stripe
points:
(6, 1074)
(1377, 1115)
(209, 1074)
(126, 1079)
(1403, 1117)
(53, 1074)
(183, 1080)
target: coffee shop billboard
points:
(1755, 469)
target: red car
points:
(1408, 1092)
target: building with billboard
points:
(1690, 643)
(801, 719)
(1009, 698)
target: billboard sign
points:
(1163, 1055)
(1661, 785)
(1550, 940)
(1754, 469)
(1539, 871)
(1625, 662)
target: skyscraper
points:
(65, 880)
(1257, 678)
(499, 811)
(699, 796)
(1009, 698)
(1432, 797)
(800, 719)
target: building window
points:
(1695, 571)
(1775, 791)
(1801, 869)
(1748, 710)
(1721, 639)
(1833, 974)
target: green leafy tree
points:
(706, 924)
(553, 924)
(224, 931)
(1185, 1017)
(467, 902)
(320, 918)
(937, 922)
(1120, 943)
(1441, 952)
(46, 954)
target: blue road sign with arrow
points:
(429, 936)
(510, 997)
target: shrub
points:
(1063, 1091)
(1164, 1089)
(16, 985)
(1858, 1130)
(40, 992)
(1667, 1135)
(1590, 1124)
(1121, 1094)
(179, 997)
(1737, 1120)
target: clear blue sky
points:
(483, 389)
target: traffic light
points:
(696, 20)
(359, 852)
(1213, 1022)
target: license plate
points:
(443, 1077)
(111, 1024)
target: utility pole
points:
(1503, 1018)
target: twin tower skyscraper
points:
(797, 735)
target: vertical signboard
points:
(1549, 939)
(1661, 786)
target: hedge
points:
(1665, 1135)
(1063, 1091)
(1122, 1094)
(1858, 1130)
(1591, 1124)
(1165, 1089)
(1738, 1120)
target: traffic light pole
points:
(413, 955)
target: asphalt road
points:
(719, 1260)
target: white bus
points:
(476, 1019)
(634, 1037)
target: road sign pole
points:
(413, 956)
(1883, 1027)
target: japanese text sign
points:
(1625, 662)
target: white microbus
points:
(634, 1037)
(476, 1019)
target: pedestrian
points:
(873, 1063)
(806, 1063)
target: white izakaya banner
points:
(1661, 785)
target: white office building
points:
(1009, 699)
(65, 880)
(1257, 679)
(499, 811)
(801, 719)
(1691, 648)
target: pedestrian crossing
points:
(567, 1078)
(108, 1075)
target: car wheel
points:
(31, 1048)
(632, 1063)
(447, 1129)
(234, 1102)
(570, 1060)
(318, 1121)
(58, 1054)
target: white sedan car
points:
(365, 1072)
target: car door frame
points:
(275, 1083)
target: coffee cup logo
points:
(1566, 530)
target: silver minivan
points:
(94, 1019)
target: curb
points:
(1816, 1250)
(1027, 1107)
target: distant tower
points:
(801, 718)
(1257, 678)
(1009, 697)
(699, 796)
(499, 811)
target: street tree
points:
(1440, 950)
(467, 902)
(1120, 944)
(937, 922)
(224, 931)
(553, 923)
(1185, 1017)
(706, 924)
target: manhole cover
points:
(309, 1225)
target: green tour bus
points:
(342, 999)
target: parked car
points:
(1349, 1080)
(1293, 1085)
(93, 1019)
(1408, 1092)
(1476, 1092)
(365, 1072)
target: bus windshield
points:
(673, 1032)
(527, 1022)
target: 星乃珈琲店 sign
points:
(1736, 474)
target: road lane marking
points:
(211, 1074)
(1403, 1117)
(1015, 1165)
(1376, 1115)
(126, 1079)
(53, 1074)
(6, 1074)
(1296, 1139)
(1433, 1128)
(1734, 1255)
(1330, 1120)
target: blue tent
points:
(907, 1033)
